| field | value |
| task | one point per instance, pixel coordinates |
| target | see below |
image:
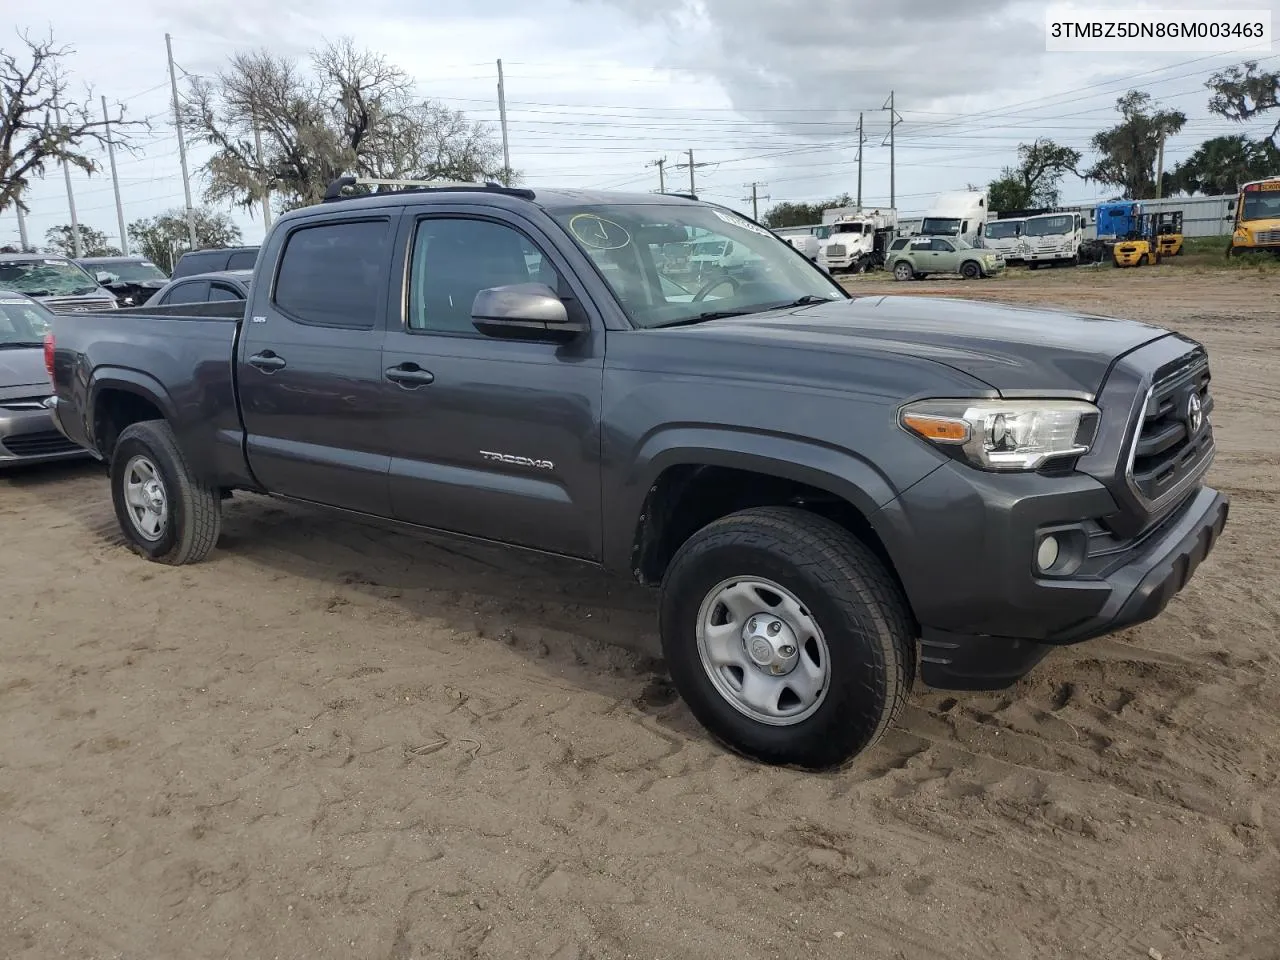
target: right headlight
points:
(1004, 434)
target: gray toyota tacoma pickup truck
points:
(832, 492)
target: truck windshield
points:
(23, 323)
(1048, 226)
(940, 226)
(1001, 230)
(624, 240)
(130, 271)
(45, 278)
(1261, 206)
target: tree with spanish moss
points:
(344, 111)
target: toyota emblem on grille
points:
(1195, 414)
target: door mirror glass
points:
(523, 311)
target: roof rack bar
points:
(336, 187)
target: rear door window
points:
(242, 260)
(334, 274)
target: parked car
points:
(919, 257)
(204, 288)
(828, 489)
(27, 433)
(131, 279)
(58, 282)
(211, 261)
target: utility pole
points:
(755, 199)
(182, 144)
(894, 120)
(661, 164)
(266, 192)
(692, 166)
(66, 172)
(502, 115)
(115, 181)
(22, 225)
(1160, 168)
(861, 140)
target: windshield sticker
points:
(598, 233)
(739, 222)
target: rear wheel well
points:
(116, 409)
(687, 497)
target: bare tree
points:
(33, 86)
(350, 112)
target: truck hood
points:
(1016, 350)
(23, 367)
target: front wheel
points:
(165, 512)
(970, 270)
(903, 271)
(787, 637)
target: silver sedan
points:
(27, 431)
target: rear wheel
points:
(970, 270)
(902, 271)
(787, 638)
(165, 512)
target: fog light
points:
(1047, 553)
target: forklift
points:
(1168, 231)
(1142, 244)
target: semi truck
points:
(957, 214)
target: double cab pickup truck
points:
(832, 493)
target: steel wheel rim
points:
(146, 498)
(746, 659)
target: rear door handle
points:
(410, 375)
(266, 361)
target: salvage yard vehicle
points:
(204, 288)
(1004, 236)
(1052, 239)
(132, 279)
(920, 257)
(1257, 218)
(827, 490)
(215, 259)
(1141, 246)
(1168, 231)
(56, 281)
(27, 433)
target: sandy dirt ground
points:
(334, 741)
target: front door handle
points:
(266, 361)
(410, 375)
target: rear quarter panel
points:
(181, 364)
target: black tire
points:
(970, 270)
(901, 274)
(194, 511)
(854, 600)
(1033, 265)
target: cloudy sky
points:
(761, 90)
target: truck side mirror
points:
(524, 311)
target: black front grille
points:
(42, 444)
(1174, 437)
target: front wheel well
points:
(687, 497)
(114, 410)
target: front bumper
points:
(31, 437)
(964, 544)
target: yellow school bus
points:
(1257, 217)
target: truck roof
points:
(496, 194)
